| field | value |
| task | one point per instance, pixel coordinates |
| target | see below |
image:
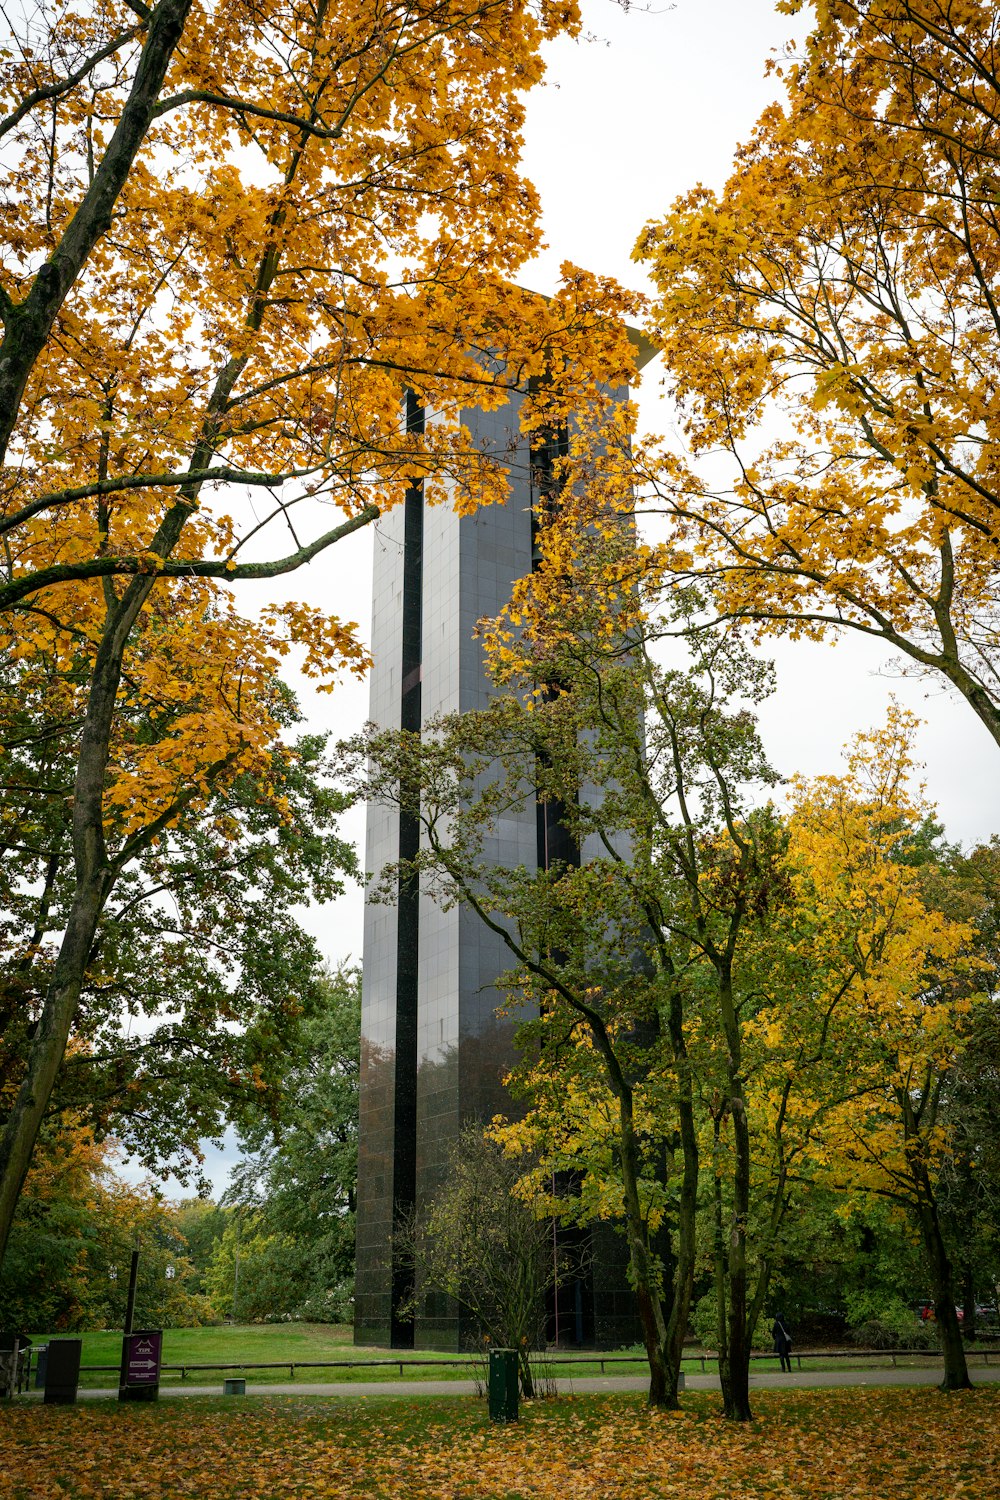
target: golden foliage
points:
(323, 212)
(849, 1055)
(829, 322)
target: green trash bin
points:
(503, 1385)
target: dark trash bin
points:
(41, 1363)
(62, 1371)
(503, 1385)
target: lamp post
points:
(133, 1277)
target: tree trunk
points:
(739, 1340)
(95, 877)
(721, 1273)
(662, 1391)
(737, 1405)
(972, 690)
(956, 1369)
(680, 1310)
(527, 1379)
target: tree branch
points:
(240, 106)
(11, 594)
(65, 85)
(148, 481)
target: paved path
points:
(355, 1390)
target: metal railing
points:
(551, 1358)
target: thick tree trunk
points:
(739, 1341)
(17, 1143)
(956, 1369)
(95, 877)
(721, 1275)
(737, 1392)
(981, 703)
(662, 1390)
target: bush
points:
(887, 1323)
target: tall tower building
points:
(433, 1050)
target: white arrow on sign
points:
(142, 1364)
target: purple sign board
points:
(142, 1358)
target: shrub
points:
(887, 1323)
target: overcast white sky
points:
(651, 103)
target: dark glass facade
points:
(434, 1052)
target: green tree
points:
(202, 1223)
(68, 1258)
(616, 942)
(483, 1246)
(293, 1192)
(199, 972)
(680, 775)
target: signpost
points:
(141, 1354)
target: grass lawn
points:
(251, 1347)
(247, 1346)
(848, 1444)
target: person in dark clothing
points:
(782, 1342)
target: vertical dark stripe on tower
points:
(408, 910)
(556, 844)
(549, 444)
